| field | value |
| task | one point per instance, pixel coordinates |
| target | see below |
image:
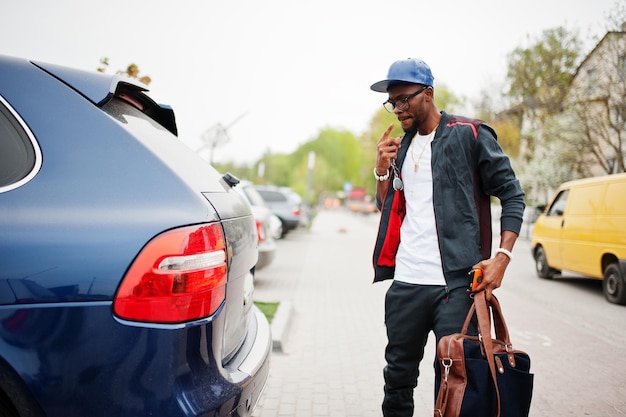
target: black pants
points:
(411, 312)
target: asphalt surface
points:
(329, 335)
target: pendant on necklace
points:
(415, 167)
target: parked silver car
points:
(286, 204)
(265, 224)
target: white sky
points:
(283, 70)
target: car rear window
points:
(254, 196)
(272, 196)
(19, 159)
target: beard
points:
(411, 130)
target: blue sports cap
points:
(410, 70)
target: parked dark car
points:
(126, 261)
(286, 204)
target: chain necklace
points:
(416, 164)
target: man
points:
(433, 188)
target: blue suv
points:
(126, 261)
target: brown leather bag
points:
(477, 376)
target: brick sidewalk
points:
(332, 359)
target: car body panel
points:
(73, 204)
(170, 367)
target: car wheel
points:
(613, 284)
(276, 227)
(285, 229)
(541, 264)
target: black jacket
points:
(468, 167)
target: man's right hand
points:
(387, 149)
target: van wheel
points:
(613, 284)
(541, 264)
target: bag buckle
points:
(447, 364)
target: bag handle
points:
(484, 310)
(502, 331)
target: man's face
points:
(409, 107)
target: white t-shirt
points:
(418, 260)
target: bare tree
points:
(597, 108)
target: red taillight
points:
(295, 211)
(179, 276)
(260, 232)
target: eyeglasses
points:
(403, 103)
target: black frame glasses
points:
(403, 103)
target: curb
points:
(280, 324)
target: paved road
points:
(332, 356)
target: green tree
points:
(338, 159)
(508, 132)
(446, 100)
(539, 76)
(276, 169)
(506, 124)
(340, 155)
(538, 79)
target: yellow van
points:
(583, 230)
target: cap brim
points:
(381, 86)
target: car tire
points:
(285, 229)
(613, 284)
(276, 227)
(541, 264)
